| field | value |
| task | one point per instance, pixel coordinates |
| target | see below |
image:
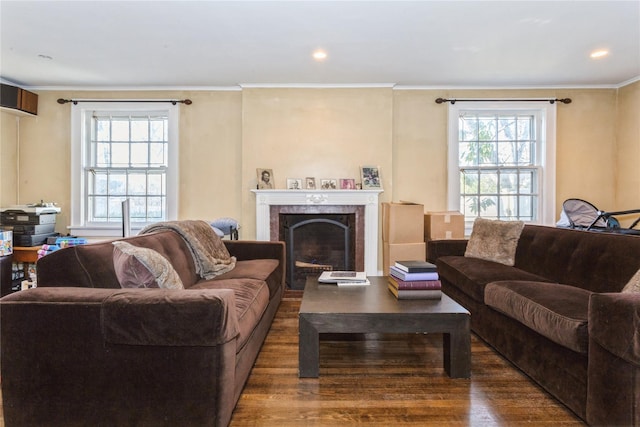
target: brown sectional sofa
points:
(558, 314)
(80, 350)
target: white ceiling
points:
(200, 44)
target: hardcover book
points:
(415, 294)
(409, 277)
(416, 266)
(416, 284)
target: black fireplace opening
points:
(316, 243)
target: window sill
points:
(110, 231)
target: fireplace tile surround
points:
(270, 203)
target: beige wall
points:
(420, 149)
(9, 125)
(211, 155)
(628, 151)
(210, 150)
(329, 133)
(586, 148)
(585, 144)
(321, 133)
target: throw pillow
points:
(634, 284)
(138, 267)
(494, 240)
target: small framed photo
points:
(347, 184)
(328, 184)
(310, 183)
(294, 184)
(265, 179)
(370, 177)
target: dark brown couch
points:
(78, 350)
(558, 314)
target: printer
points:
(31, 224)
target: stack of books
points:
(414, 280)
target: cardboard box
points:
(443, 225)
(6, 242)
(402, 223)
(392, 252)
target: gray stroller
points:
(582, 215)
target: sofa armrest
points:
(439, 248)
(614, 323)
(614, 359)
(148, 353)
(203, 317)
(254, 249)
(170, 318)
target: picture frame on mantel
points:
(294, 184)
(329, 184)
(347, 184)
(310, 183)
(370, 177)
(265, 179)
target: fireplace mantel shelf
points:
(323, 198)
(329, 197)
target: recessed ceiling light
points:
(599, 53)
(319, 55)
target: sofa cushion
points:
(130, 263)
(633, 285)
(557, 312)
(259, 269)
(252, 298)
(210, 255)
(494, 240)
(595, 261)
(470, 275)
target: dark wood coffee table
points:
(374, 309)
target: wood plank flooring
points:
(387, 380)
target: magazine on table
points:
(344, 277)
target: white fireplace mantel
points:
(367, 198)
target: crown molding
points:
(241, 86)
(316, 85)
(550, 87)
(630, 81)
(137, 88)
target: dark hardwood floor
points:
(387, 380)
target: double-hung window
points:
(502, 161)
(123, 151)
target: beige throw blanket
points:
(209, 253)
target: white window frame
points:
(80, 160)
(546, 124)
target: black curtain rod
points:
(174, 102)
(551, 101)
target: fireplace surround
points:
(363, 204)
